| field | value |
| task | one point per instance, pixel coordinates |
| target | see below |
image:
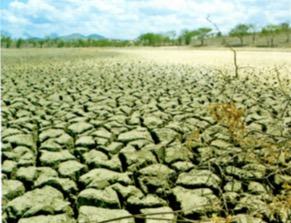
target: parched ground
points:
(218, 57)
(91, 135)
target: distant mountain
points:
(95, 37)
(76, 36)
(35, 38)
(52, 36)
(28, 36)
(73, 36)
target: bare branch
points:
(236, 68)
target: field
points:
(146, 135)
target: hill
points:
(76, 36)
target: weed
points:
(216, 219)
(230, 116)
(194, 136)
(281, 206)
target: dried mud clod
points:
(92, 138)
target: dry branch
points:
(236, 67)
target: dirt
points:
(91, 135)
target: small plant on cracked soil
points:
(230, 116)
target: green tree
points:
(187, 36)
(253, 31)
(55, 42)
(153, 39)
(171, 34)
(19, 43)
(202, 33)
(49, 42)
(32, 42)
(171, 37)
(6, 41)
(286, 29)
(41, 43)
(270, 31)
(60, 44)
(240, 31)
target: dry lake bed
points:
(146, 135)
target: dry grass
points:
(230, 116)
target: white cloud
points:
(129, 18)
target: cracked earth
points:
(93, 137)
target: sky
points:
(126, 19)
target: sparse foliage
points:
(152, 39)
(270, 32)
(19, 43)
(6, 41)
(202, 34)
(285, 29)
(240, 31)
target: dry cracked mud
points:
(93, 138)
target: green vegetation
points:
(270, 32)
(268, 36)
(153, 39)
(286, 29)
(202, 33)
(240, 31)
(199, 34)
(8, 42)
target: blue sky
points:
(126, 19)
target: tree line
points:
(186, 37)
(8, 42)
(241, 31)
